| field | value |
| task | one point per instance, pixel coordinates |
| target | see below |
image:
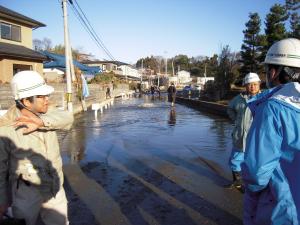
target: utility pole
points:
(67, 55)
(173, 67)
(71, 64)
(204, 73)
(166, 69)
(142, 71)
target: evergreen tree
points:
(275, 24)
(293, 7)
(252, 46)
(295, 25)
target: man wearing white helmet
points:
(272, 159)
(236, 111)
(31, 178)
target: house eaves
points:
(18, 18)
(19, 52)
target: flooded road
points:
(145, 162)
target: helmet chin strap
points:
(20, 103)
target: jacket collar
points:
(289, 94)
(9, 117)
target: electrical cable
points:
(92, 28)
(88, 27)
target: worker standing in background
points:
(242, 119)
(172, 94)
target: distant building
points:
(184, 77)
(120, 69)
(53, 75)
(105, 66)
(81, 57)
(128, 71)
(16, 53)
(203, 80)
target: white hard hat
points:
(250, 78)
(29, 83)
(285, 53)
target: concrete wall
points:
(97, 94)
(6, 68)
(210, 107)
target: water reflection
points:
(151, 123)
(172, 117)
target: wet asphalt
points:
(145, 162)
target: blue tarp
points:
(59, 62)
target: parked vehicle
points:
(187, 88)
(197, 87)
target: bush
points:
(102, 78)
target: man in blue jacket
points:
(272, 159)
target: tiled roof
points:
(18, 51)
(6, 13)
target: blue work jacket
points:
(271, 170)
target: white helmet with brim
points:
(250, 78)
(284, 53)
(29, 83)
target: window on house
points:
(18, 68)
(10, 32)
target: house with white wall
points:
(203, 80)
(128, 71)
(184, 77)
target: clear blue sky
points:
(132, 29)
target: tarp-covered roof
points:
(59, 62)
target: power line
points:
(87, 30)
(92, 34)
(92, 27)
(88, 27)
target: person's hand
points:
(28, 124)
(3, 209)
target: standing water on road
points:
(150, 163)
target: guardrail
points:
(126, 95)
(103, 105)
(109, 102)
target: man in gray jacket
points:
(31, 178)
(242, 119)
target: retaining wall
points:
(97, 94)
(210, 107)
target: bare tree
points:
(37, 44)
(47, 43)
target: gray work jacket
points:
(241, 116)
